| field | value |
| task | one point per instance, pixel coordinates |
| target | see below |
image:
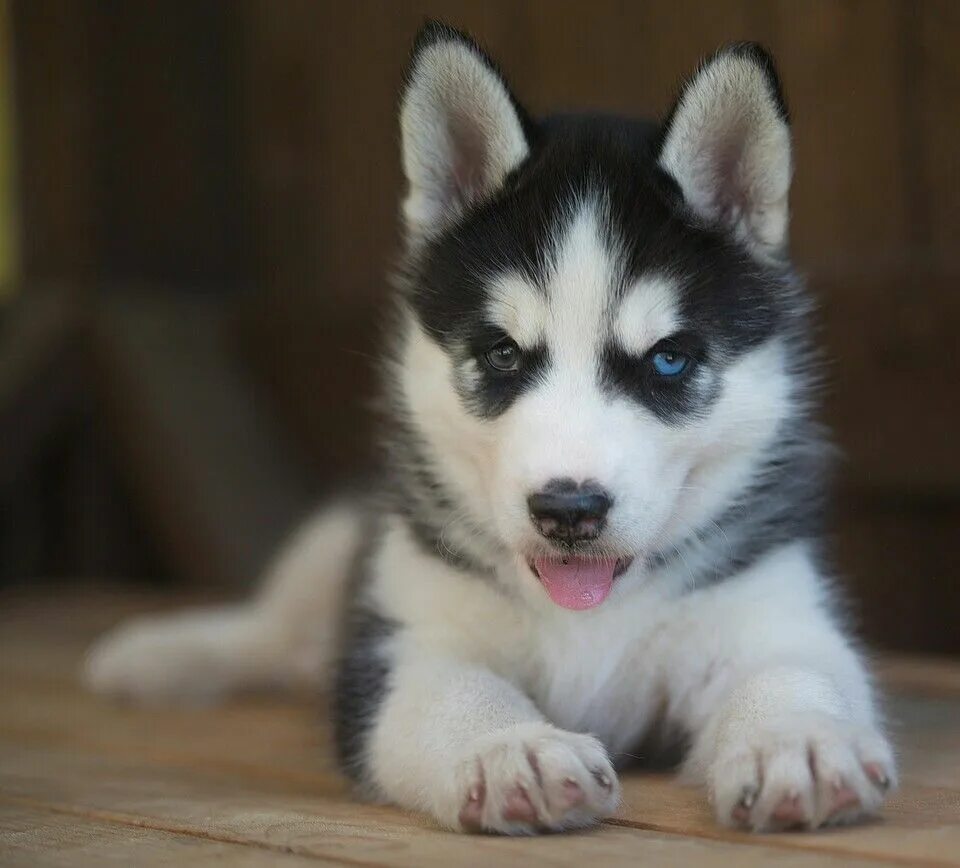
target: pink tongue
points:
(578, 583)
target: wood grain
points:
(35, 837)
(88, 782)
(332, 829)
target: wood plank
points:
(894, 552)
(335, 830)
(842, 67)
(919, 675)
(35, 837)
(169, 155)
(68, 750)
(55, 47)
(218, 485)
(886, 396)
(936, 90)
(575, 59)
(289, 757)
(920, 824)
(40, 386)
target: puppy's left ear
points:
(727, 143)
(462, 130)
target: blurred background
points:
(198, 203)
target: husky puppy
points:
(600, 528)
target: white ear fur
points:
(461, 131)
(728, 146)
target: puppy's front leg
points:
(464, 745)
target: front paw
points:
(535, 777)
(808, 772)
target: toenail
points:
(471, 813)
(877, 775)
(602, 778)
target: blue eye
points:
(668, 364)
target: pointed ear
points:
(727, 143)
(462, 130)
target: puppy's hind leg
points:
(286, 635)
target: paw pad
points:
(518, 808)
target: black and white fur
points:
(462, 689)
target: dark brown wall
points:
(254, 143)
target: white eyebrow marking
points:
(647, 314)
(519, 308)
(578, 311)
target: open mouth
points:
(578, 581)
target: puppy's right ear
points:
(727, 144)
(462, 130)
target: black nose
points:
(569, 512)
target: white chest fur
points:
(602, 671)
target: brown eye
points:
(503, 357)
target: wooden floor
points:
(86, 782)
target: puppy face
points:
(594, 307)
